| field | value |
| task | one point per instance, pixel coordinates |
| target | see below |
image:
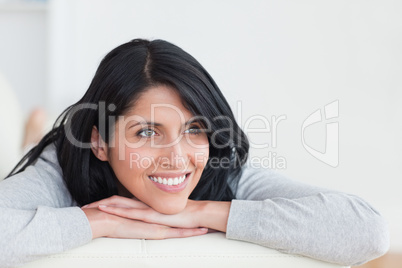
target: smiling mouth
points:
(171, 181)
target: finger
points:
(129, 213)
(117, 201)
(149, 215)
(141, 230)
(183, 232)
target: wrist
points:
(214, 214)
(100, 222)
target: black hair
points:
(123, 74)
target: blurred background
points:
(272, 59)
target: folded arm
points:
(276, 212)
(38, 216)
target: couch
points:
(209, 250)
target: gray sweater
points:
(38, 217)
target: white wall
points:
(23, 51)
(278, 58)
(22, 73)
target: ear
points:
(98, 146)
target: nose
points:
(175, 154)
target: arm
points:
(296, 218)
(37, 214)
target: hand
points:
(107, 225)
(210, 214)
(134, 209)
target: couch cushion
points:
(210, 250)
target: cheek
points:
(129, 164)
(139, 160)
(205, 156)
(200, 155)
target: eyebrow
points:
(159, 124)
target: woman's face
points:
(157, 153)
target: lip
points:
(170, 175)
(171, 188)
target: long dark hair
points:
(122, 76)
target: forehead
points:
(161, 100)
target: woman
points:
(153, 151)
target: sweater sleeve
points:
(292, 217)
(37, 214)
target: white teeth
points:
(170, 181)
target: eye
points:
(194, 130)
(146, 132)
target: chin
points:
(170, 208)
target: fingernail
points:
(204, 229)
(102, 206)
(84, 206)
